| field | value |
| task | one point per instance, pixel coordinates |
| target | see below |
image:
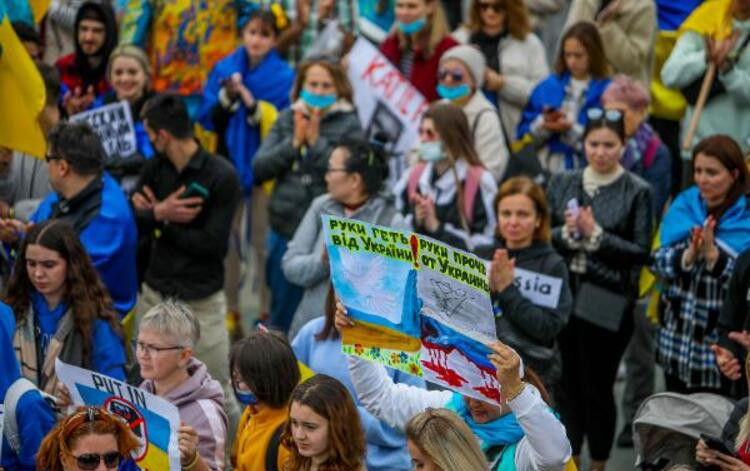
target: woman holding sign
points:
(523, 429)
(62, 308)
(529, 280)
(601, 225)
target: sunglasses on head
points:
(89, 461)
(611, 115)
(496, 7)
(455, 75)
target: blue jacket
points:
(551, 93)
(109, 236)
(271, 81)
(386, 447)
(38, 418)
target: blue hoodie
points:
(38, 418)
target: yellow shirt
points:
(253, 434)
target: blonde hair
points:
(429, 38)
(744, 434)
(133, 52)
(447, 440)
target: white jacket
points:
(544, 447)
(489, 140)
(523, 64)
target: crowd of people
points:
(601, 143)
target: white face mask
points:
(431, 151)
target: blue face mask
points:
(413, 27)
(246, 398)
(431, 151)
(314, 100)
(453, 93)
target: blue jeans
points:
(285, 296)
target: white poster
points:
(114, 125)
(386, 102)
(542, 290)
(154, 420)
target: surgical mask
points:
(453, 93)
(431, 151)
(413, 27)
(246, 398)
(315, 100)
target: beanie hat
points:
(472, 58)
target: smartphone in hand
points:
(717, 444)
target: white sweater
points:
(544, 447)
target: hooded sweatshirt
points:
(75, 69)
(200, 401)
(38, 418)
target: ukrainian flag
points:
(21, 90)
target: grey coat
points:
(303, 261)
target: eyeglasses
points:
(611, 115)
(49, 158)
(455, 75)
(496, 7)
(90, 461)
(336, 169)
(151, 350)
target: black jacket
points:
(299, 175)
(623, 210)
(525, 326)
(735, 310)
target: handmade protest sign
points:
(540, 289)
(154, 420)
(420, 306)
(114, 126)
(386, 101)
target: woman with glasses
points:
(354, 179)
(704, 230)
(460, 78)
(555, 114)
(89, 439)
(415, 45)
(449, 194)
(62, 308)
(515, 56)
(601, 225)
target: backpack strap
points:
(651, 149)
(272, 451)
(471, 187)
(10, 424)
(413, 184)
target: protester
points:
(318, 345)
(90, 438)
(26, 412)
(460, 76)
(440, 440)
(323, 430)
(515, 56)
(645, 154)
(601, 225)
(716, 33)
(129, 74)
(449, 195)
(62, 308)
(189, 196)
(31, 40)
(556, 113)
(547, 18)
(523, 241)
(317, 27)
(701, 234)
(295, 155)
(84, 72)
(264, 374)
(415, 46)
(355, 179)
(524, 430)
(91, 201)
(733, 323)
(627, 29)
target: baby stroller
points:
(667, 427)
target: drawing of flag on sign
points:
(154, 420)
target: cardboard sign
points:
(542, 290)
(114, 125)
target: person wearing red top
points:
(83, 72)
(421, 36)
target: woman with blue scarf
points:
(523, 434)
(702, 233)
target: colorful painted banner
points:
(154, 420)
(420, 305)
